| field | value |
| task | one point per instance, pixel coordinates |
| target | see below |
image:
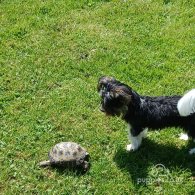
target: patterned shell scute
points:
(66, 152)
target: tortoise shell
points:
(68, 154)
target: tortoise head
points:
(83, 163)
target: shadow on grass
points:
(69, 171)
(151, 154)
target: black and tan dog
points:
(141, 112)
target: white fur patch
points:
(186, 105)
(184, 136)
(130, 147)
(135, 143)
(135, 140)
(142, 101)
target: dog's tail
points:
(186, 105)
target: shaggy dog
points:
(141, 112)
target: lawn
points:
(52, 54)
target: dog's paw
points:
(192, 151)
(183, 136)
(131, 148)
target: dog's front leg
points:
(135, 137)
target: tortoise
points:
(68, 155)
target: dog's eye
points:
(102, 91)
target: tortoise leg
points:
(45, 163)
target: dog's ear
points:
(123, 93)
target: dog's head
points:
(115, 96)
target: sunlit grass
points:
(52, 54)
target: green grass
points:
(52, 54)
